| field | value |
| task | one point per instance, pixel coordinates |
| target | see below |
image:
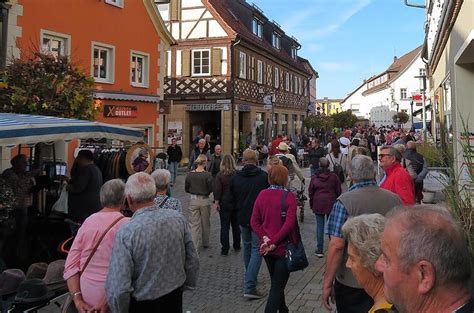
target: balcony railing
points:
(196, 87)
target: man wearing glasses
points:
(396, 178)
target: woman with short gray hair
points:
(363, 234)
(162, 180)
(88, 286)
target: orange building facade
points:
(121, 43)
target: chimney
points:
(395, 59)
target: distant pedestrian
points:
(153, 257)
(323, 191)
(315, 153)
(274, 232)
(396, 178)
(275, 144)
(174, 157)
(224, 205)
(363, 197)
(213, 166)
(420, 166)
(245, 186)
(198, 184)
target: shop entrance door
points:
(207, 121)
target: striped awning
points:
(18, 129)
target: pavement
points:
(220, 283)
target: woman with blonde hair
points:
(198, 183)
(224, 204)
(273, 161)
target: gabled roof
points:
(306, 61)
(158, 23)
(238, 14)
(398, 66)
(353, 92)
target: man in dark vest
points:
(364, 197)
(418, 163)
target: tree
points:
(344, 119)
(318, 122)
(47, 85)
(400, 118)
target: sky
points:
(348, 41)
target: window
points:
(252, 69)
(294, 52)
(103, 62)
(201, 62)
(295, 88)
(257, 27)
(243, 66)
(403, 93)
(276, 38)
(55, 43)
(259, 71)
(139, 69)
(422, 72)
(277, 77)
(117, 3)
(305, 88)
(287, 82)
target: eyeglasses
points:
(381, 155)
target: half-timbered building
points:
(229, 57)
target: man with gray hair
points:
(363, 197)
(153, 257)
(200, 149)
(162, 179)
(425, 261)
(214, 164)
(396, 178)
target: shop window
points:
(243, 66)
(139, 69)
(259, 72)
(54, 43)
(200, 62)
(103, 63)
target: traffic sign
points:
(268, 100)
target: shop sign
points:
(205, 107)
(242, 107)
(120, 111)
(175, 130)
(222, 101)
(165, 106)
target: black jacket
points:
(315, 155)
(174, 154)
(245, 186)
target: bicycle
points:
(300, 200)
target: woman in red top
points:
(274, 233)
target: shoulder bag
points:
(69, 306)
(295, 255)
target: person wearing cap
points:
(396, 178)
(283, 151)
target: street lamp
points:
(411, 110)
(422, 80)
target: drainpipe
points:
(419, 6)
(232, 105)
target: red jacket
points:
(266, 219)
(398, 181)
(275, 144)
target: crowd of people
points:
(385, 253)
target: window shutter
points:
(216, 61)
(174, 10)
(237, 63)
(186, 63)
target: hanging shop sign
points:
(204, 107)
(120, 111)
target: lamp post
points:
(411, 110)
(422, 80)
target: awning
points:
(419, 111)
(18, 129)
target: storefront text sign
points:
(120, 111)
(243, 107)
(204, 107)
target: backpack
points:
(338, 170)
(286, 163)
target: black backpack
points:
(286, 162)
(338, 170)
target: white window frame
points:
(243, 65)
(257, 27)
(259, 72)
(276, 41)
(403, 90)
(277, 77)
(65, 38)
(146, 70)
(287, 82)
(192, 62)
(294, 52)
(110, 78)
(116, 3)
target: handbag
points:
(61, 204)
(295, 255)
(68, 305)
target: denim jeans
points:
(279, 275)
(313, 169)
(252, 258)
(320, 219)
(173, 168)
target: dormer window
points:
(257, 27)
(276, 39)
(294, 52)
